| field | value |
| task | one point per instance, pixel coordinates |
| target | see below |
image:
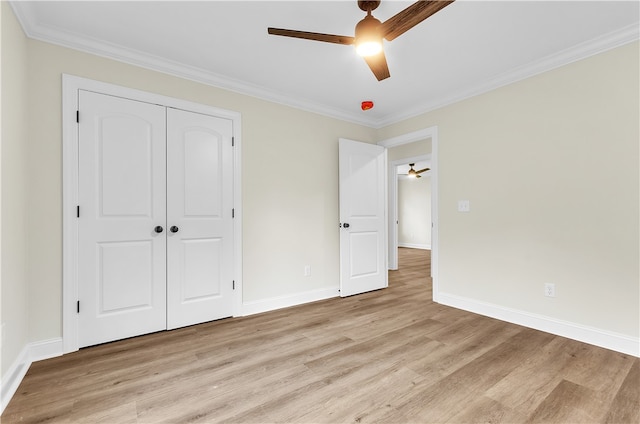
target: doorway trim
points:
(431, 133)
(70, 86)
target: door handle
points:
(158, 229)
(174, 229)
(345, 225)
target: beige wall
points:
(290, 203)
(13, 189)
(414, 212)
(550, 166)
(409, 150)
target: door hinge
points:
(78, 306)
(233, 141)
(77, 116)
(234, 284)
(78, 211)
(233, 213)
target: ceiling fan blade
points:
(422, 170)
(378, 65)
(316, 36)
(403, 21)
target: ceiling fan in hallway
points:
(415, 174)
(369, 32)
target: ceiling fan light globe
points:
(368, 48)
(368, 39)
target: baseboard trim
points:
(415, 246)
(15, 374)
(32, 352)
(594, 336)
(45, 349)
(271, 304)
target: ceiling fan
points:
(369, 32)
(415, 174)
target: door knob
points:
(345, 225)
(174, 229)
(158, 229)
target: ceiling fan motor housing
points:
(368, 5)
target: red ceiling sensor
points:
(366, 105)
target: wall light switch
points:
(463, 206)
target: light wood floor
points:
(391, 356)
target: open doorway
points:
(413, 216)
(413, 223)
(410, 209)
(416, 147)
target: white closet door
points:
(122, 197)
(199, 218)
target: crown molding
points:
(119, 53)
(141, 59)
(578, 52)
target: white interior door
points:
(363, 230)
(199, 218)
(122, 197)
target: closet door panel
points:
(202, 268)
(199, 216)
(203, 183)
(122, 198)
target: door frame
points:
(70, 86)
(432, 133)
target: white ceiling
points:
(467, 48)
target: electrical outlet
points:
(307, 270)
(550, 290)
(464, 206)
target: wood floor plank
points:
(568, 403)
(445, 358)
(389, 356)
(542, 373)
(625, 407)
(597, 368)
(486, 410)
(367, 400)
(448, 396)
